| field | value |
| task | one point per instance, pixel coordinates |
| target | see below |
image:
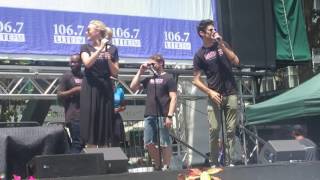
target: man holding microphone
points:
(160, 105)
(215, 59)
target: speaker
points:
(248, 25)
(66, 165)
(282, 150)
(114, 158)
(36, 110)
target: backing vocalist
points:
(160, 106)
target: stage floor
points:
(276, 171)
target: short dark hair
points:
(298, 130)
(203, 24)
(158, 58)
(78, 56)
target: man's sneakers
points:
(165, 168)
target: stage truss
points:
(41, 83)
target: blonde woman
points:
(96, 99)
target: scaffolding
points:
(41, 83)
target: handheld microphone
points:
(218, 39)
(108, 43)
(151, 67)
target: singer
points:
(160, 106)
(96, 97)
(215, 59)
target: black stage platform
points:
(277, 171)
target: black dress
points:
(96, 100)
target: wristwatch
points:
(170, 117)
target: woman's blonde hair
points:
(100, 26)
(109, 32)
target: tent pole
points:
(287, 26)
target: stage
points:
(276, 171)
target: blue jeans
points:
(118, 131)
(151, 131)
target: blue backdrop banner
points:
(29, 31)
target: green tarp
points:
(291, 35)
(299, 103)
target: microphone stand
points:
(223, 135)
(155, 75)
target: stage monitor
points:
(285, 151)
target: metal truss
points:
(17, 85)
(23, 83)
(250, 85)
(37, 82)
(41, 83)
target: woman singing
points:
(100, 59)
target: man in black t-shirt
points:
(160, 106)
(69, 95)
(215, 59)
(298, 132)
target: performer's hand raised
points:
(103, 42)
(143, 67)
(217, 37)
